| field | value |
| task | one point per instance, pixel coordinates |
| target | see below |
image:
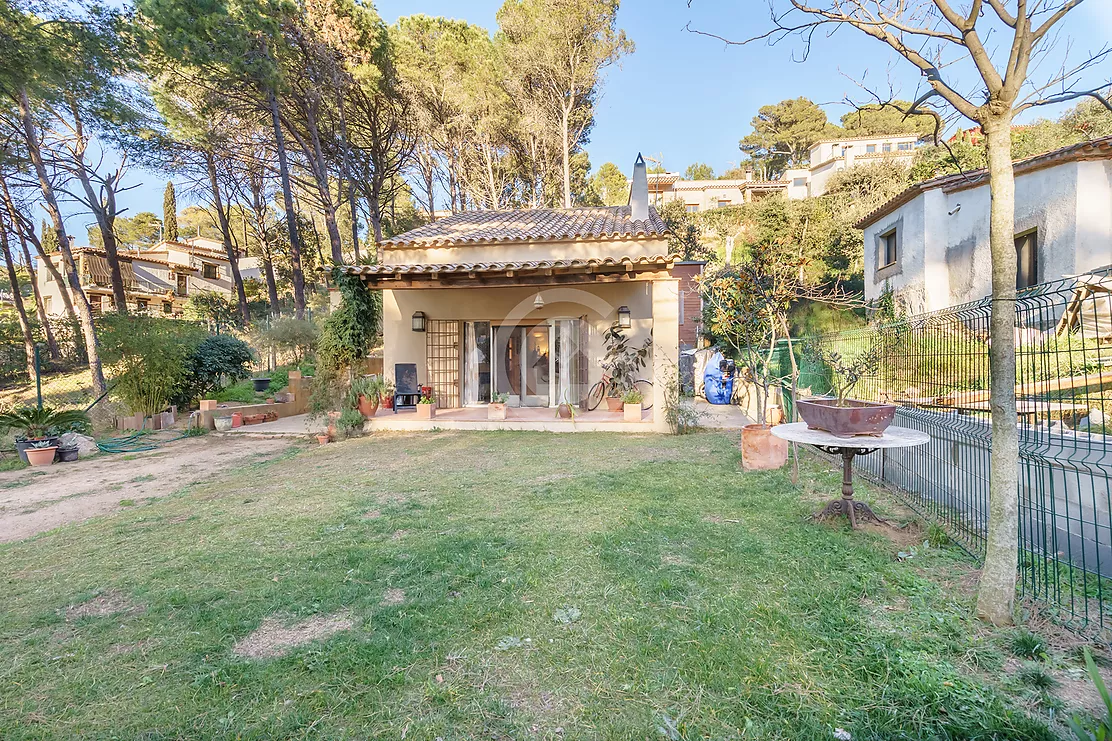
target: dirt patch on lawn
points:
(275, 637)
(393, 597)
(103, 605)
(39, 499)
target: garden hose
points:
(136, 442)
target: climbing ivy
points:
(350, 330)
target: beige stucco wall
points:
(522, 251)
(654, 308)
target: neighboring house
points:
(930, 243)
(157, 280)
(833, 155)
(826, 158)
(516, 302)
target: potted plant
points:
(67, 454)
(366, 391)
(840, 415)
(33, 424)
(41, 453)
(426, 407)
(566, 410)
(388, 395)
(631, 405)
(322, 439)
(622, 364)
(261, 384)
(496, 410)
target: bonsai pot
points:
(564, 411)
(632, 412)
(260, 384)
(21, 446)
(761, 450)
(322, 439)
(368, 407)
(852, 418)
(496, 411)
(67, 455)
(223, 424)
(614, 403)
(426, 411)
(41, 456)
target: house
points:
(158, 279)
(829, 156)
(826, 157)
(516, 302)
(930, 242)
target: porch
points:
(517, 418)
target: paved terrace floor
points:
(517, 418)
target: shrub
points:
(279, 379)
(350, 423)
(213, 307)
(349, 331)
(33, 422)
(215, 359)
(147, 358)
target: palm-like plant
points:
(33, 422)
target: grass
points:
(497, 585)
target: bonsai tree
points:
(847, 372)
(621, 362)
(33, 423)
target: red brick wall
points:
(691, 309)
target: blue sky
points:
(689, 98)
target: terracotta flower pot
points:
(496, 411)
(854, 417)
(387, 401)
(322, 439)
(761, 450)
(368, 407)
(614, 403)
(333, 417)
(237, 419)
(632, 412)
(426, 411)
(41, 456)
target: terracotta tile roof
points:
(1089, 150)
(532, 224)
(525, 266)
(742, 184)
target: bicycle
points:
(598, 392)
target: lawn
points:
(499, 586)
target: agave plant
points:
(32, 422)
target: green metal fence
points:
(936, 367)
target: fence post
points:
(38, 377)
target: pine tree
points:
(169, 214)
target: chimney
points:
(639, 191)
(748, 174)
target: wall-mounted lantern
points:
(538, 302)
(623, 317)
(418, 321)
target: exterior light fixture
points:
(538, 302)
(623, 317)
(418, 321)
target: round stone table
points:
(848, 447)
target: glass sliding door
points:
(477, 364)
(507, 365)
(568, 358)
(537, 366)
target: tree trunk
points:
(40, 306)
(996, 594)
(80, 300)
(354, 220)
(375, 211)
(566, 154)
(105, 217)
(226, 238)
(298, 277)
(17, 299)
